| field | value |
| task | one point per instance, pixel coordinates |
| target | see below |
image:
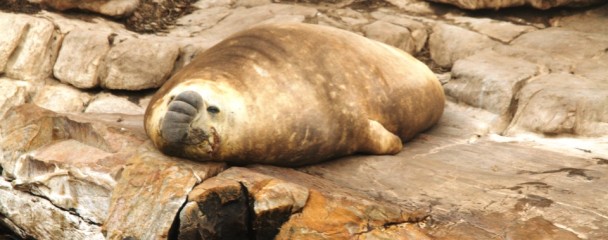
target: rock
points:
(497, 30)
(108, 103)
(137, 64)
(18, 209)
(113, 8)
(150, 192)
(61, 98)
(489, 80)
(417, 29)
(34, 42)
(561, 103)
(449, 43)
(13, 93)
(539, 4)
(414, 6)
(391, 34)
(216, 209)
(67, 164)
(564, 42)
(11, 37)
(477, 187)
(240, 19)
(593, 68)
(263, 201)
(591, 21)
(80, 57)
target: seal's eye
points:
(213, 109)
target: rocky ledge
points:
(520, 153)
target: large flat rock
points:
(480, 188)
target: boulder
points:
(562, 103)
(150, 192)
(31, 47)
(502, 31)
(489, 80)
(60, 97)
(113, 8)
(61, 169)
(564, 42)
(391, 34)
(539, 4)
(80, 57)
(109, 103)
(13, 93)
(138, 63)
(449, 43)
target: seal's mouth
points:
(177, 128)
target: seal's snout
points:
(182, 110)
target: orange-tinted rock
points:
(149, 193)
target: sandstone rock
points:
(414, 6)
(497, 30)
(564, 42)
(13, 93)
(540, 4)
(595, 68)
(489, 80)
(591, 21)
(242, 18)
(18, 209)
(34, 43)
(418, 30)
(68, 166)
(216, 209)
(80, 57)
(114, 8)
(391, 34)
(13, 29)
(562, 103)
(478, 188)
(150, 192)
(136, 64)
(61, 98)
(449, 43)
(108, 103)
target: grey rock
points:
(489, 80)
(449, 43)
(561, 103)
(590, 21)
(563, 42)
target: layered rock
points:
(540, 4)
(115, 8)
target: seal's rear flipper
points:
(380, 141)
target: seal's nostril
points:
(190, 97)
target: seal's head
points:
(191, 119)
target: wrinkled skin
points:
(294, 94)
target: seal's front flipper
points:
(380, 141)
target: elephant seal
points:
(293, 94)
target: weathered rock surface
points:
(540, 4)
(61, 98)
(67, 163)
(449, 43)
(80, 57)
(29, 48)
(115, 8)
(150, 192)
(522, 154)
(137, 64)
(109, 103)
(563, 103)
